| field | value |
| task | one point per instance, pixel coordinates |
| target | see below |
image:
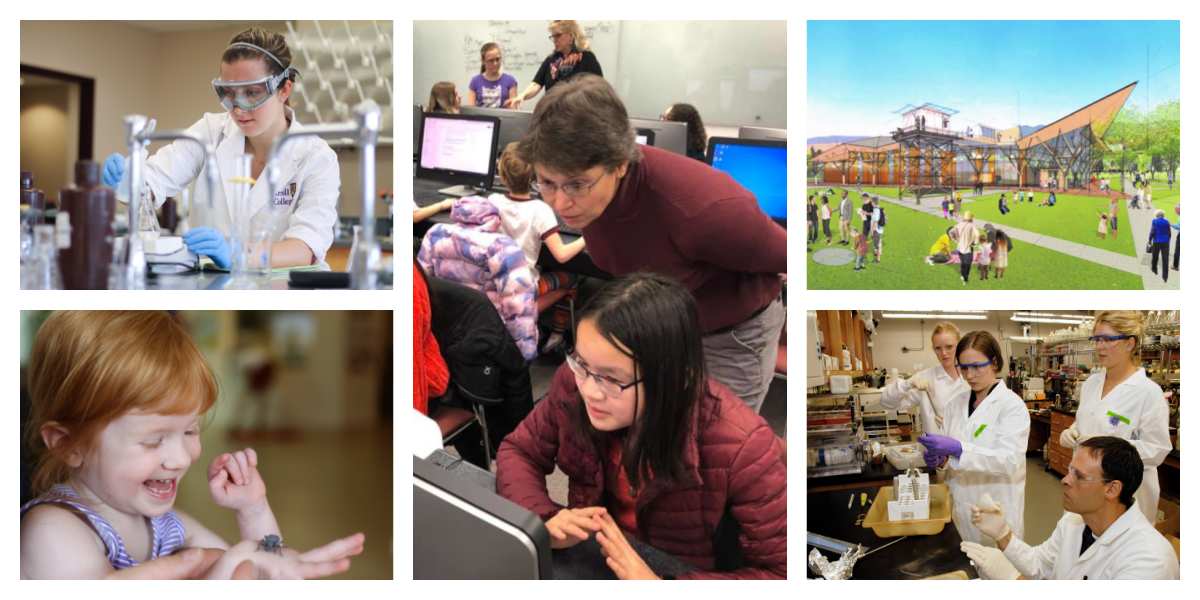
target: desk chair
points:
(549, 300)
(453, 421)
(781, 357)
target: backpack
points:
(882, 217)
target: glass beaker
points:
(42, 271)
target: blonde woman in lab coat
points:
(1122, 402)
(987, 431)
(255, 83)
(931, 389)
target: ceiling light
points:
(961, 317)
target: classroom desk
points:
(914, 557)
(425, 192)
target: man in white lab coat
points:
(1102, 535)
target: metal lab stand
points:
(364, 263)
(139, 132)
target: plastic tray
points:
(939, 514)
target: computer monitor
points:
(759, 166)
(418, 114)
(668, 135)
(513, 123)
(747, 132)
(458, 149)
(464, 531)
(644, 137)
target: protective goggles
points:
(974, 366)
(1097, 339)
(248, 95)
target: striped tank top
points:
(167, 530)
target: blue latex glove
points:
(211, 243)
(114, 170)
(940, 446)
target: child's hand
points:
(235, 482)
(330, 559)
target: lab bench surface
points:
(913, 557)
(220, 280)
(872, 477)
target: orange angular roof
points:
(1099, 115)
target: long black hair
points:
(697, 137)
(653, 320)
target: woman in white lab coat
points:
(1122, 402)
(987, 431)
(254, 86)
(933, 388)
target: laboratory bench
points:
(839, 514)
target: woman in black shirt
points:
(571, 57)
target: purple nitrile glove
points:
(940, 445)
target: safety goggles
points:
(248, 95)
(965, 367)
(1108, 339)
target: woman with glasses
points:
(987, 432)
(492, 87)
(1122, 402)
(571, 57)
(643, 208)
(653, 448)
(254, 87)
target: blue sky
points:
(861, 71)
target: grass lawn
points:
(1164, 198)
(1072, 218)
(907, 240)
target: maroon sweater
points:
(681, 218)
(731, 459)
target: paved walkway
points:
(1139, 220)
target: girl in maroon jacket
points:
(651, 446)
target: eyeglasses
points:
(1074, 473)
(1107, 339)
(973, 366)
(611, 387)
(573, 189)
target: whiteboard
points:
(734, 72)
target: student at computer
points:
(491, 87)
(653, 448)
(571, 57)
(697, 137)
(444, 98)
(531, 223)
(644, 208)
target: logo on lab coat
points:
(285, 196)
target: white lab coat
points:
(1139, 401)
(994, 439)
(1129, 549)
(308, 191)
(900, 394)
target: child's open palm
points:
(235, 482)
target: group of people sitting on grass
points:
(965, 244)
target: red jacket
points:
(732, 459)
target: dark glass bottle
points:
(90, 207)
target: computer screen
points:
(759, 166)
(458, 149)
(761, 133)
(644, 137)
(463, 530)
(513, 123)
(668, 135)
